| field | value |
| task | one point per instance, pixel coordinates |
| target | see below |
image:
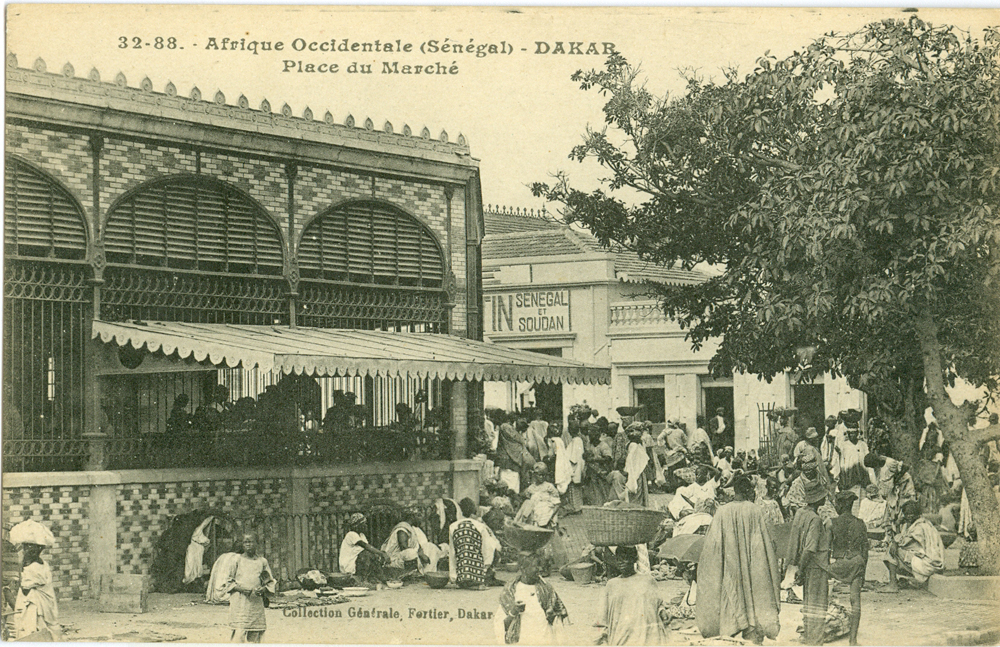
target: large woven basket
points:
(527, 538)
(621, 526)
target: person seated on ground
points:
(705, 486)
(698, 521)
(917, 550)
(724, 463)
(530, 609)
(473, 549)
(541, 507)
(871, 510)
(358, 557)
(895, 485)
(408, 548)
(632, 610)
(849, 553)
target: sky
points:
(519, 110)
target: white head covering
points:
(31, 532)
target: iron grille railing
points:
(325, 305)
(46, 328)
(767, 450)
(149, 295)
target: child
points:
(633, 611)
(530, 609)
(249, 581)
(849, 549)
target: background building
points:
(552, 289)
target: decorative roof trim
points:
(336, 352)
(37, 81)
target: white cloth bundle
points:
(31, 532)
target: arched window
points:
(192, 249)
(370, 242)
(46, 323)
(193, 224)
(41, 219)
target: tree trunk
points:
(907, 442)
(952, 421)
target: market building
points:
(209, 305)
(554, 290)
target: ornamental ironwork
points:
(44, 455)
(369, 308)
(130, 294)
(46, 282)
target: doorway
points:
(715, 395)
(811, 405)
(548, 395)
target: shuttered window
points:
(40, 217)
(369, 242)
(193, 224)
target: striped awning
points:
(333, 352)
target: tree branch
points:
(986, 435)
(770, 161)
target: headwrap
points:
(814, 491)
(356, 519)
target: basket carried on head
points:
(606, 526)
(526, 538)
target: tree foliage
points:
(850, 192)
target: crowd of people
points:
(827, 497)
(770, 533)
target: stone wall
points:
(65, 510)
(107, 522)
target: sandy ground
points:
(416, 614)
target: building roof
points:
(508, 220)
(108, 98)
(336, 352)
(558, 242)
(521, 233)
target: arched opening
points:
(46, 322)
(369, 265)
(183, 249)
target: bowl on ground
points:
(394, 584)
(436, 580)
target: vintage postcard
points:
(488, 325)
